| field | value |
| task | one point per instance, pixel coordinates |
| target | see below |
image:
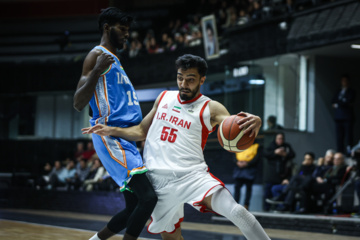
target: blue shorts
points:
(120, 158)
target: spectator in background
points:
(324, 163)
(245, 172)
(243, 17)
(279, 155)
(95, 175)
(179, 41)
(256, 13)
(135, 48)
(44, 179)
(79, 150)
(343, 103)
(355, 154)
(272, 124)
(82, 171)
(151, 46)
(63, 177)
(288, 189)
(327, 183)
(89, 152)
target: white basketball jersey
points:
(178, 134)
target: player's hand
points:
(250, 123)
(103, 62)
(98, 129)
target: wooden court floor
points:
(19, 229)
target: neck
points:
(106, 43)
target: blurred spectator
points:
(279, 155)
(135, 48)
(243, 17)
(79, 150)
(355, 154)
(343, 103)
(63, 177)
(44, 179)
(245, 172)
(324, 163)
(288, 189)
(194, 38)
(272, 124)
(171, 45)
(82, 171)
(221, 15)
(89, 152)
(106, 183)
(95, 175)
(327, 184)
(179, 41)
(152, 46)
(256, 13)
(231, 18)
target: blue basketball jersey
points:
(115, 102)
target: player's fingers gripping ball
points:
(231, 138)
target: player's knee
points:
(243, 218)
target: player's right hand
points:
(103, 62)
(98, 129)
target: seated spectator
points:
(106, 183)
(63, 177)
(327, 184)
(135, 48)
(179, 41)
(288, 189)
(44, 179)
(152, 47)
(82, 171)
(279, 155)
(324, 164)
(97, 171)
(79, 150)
(243, 17)
(89, 152)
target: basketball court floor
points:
(43, 224)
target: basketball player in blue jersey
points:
(176, 130)
(105, 86)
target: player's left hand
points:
(250, 123)
(98, 129)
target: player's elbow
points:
(78, 107)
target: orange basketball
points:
(231, 138)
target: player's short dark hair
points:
(113, 15)
(191, 61)
(312, 155)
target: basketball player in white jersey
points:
(176, 130)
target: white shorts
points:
(173, 191)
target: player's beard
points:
(114, 39)
(187, 97)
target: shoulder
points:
(93, 54)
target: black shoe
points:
(274, 200)
(283, 208)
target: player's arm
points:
(95, 63)
(134, 133)
(250, 122)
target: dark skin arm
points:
(95, 63)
